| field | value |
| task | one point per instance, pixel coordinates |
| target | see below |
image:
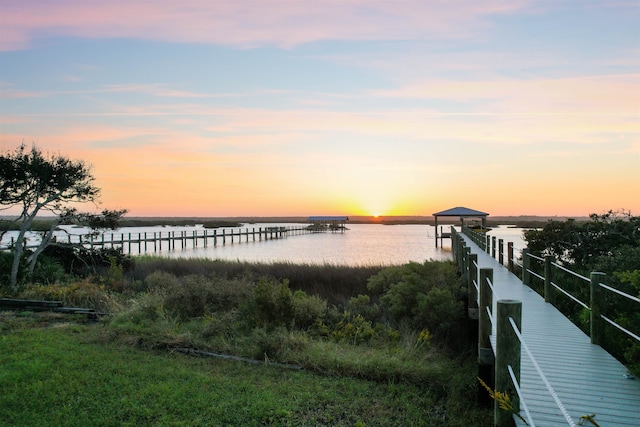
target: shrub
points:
(196, 295)
(48, 270)
(146, 309)
(272, 303)
(426, 295)
(188, 298)
(362, 305)
(84, 262)
(307, 309)
(159, 281)
(353, 329)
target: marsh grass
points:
(335, 283)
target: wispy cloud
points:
(157, 90)
(602, 95)
(248, 23)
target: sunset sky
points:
(349, 107)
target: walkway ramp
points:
(586, 379)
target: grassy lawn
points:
(59, 374)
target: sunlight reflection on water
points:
(362, 244)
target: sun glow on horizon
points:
(327, 111)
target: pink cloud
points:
(158, 90)
(605, 95)
(247, 23)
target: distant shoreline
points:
(523, 221)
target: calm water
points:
(362, 244)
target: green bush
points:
(84, 262)
(353, 329)
(159, 281)
(48, 270)
(188, 298)
(145, 310)
(196, 295)
(362, 305)
(272, 304)
(307, 309)
(428, 295)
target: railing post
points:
(454, 243)
(465, 263)
(485, 354)
(501, 251)
(487, 244)
(460, 255)
(471, 287)
(549, 291)
(597, 302)
(460, 244)
(526, 265)
(507, 354)
(493, 247)
(510, 256)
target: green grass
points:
(58, 374)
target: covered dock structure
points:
(324, 223)
(462, 213)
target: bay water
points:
(360, 245)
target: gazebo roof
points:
(461, 212)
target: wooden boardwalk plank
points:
(586, 378)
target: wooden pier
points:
(156, 241)
(554, 373)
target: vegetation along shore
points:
(385, 345)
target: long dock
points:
(565, 380)
(155, 241)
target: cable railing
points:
(550, 267)
(542, 376)
(481, 284)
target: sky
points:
(351, 107)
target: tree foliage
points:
(38, 183)
(608, 243)
(582, 243)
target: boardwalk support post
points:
(465, 263)
(549, 291)
(501, 251)
(459, 254)
(472, 292)
(510, 256)
(493, 246)
(507, 354)
(597, 303)
(485, 354)
(526, 265)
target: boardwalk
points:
(586, 379)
